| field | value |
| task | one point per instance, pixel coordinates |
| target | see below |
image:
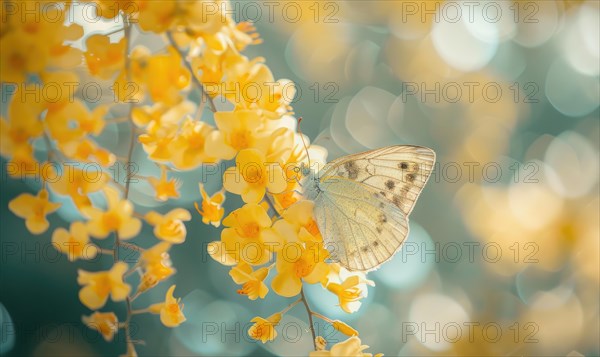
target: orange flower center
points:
(312, 228)
(210, 211)
(19, 136)
(196, 142)
(302, 268)
(173, 308)
(250, 230)
(254, 175)
(111, 221)
(241, 139)
(39, 210)
(102, 285)
(247, 288)
(75, 247)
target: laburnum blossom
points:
(104, 322)
(258, 90)
(169, 227)
(189, 147)
(17, 132)
(253, 176)
(98, 286)
(160, 17)
(86, 150)
(299, 262)
(75, 242)
(76, 183)
(156, 265)
(349, 292)
(171, 314)
(34, 210)
(238, 130)
(253, 281)
(72, 120)
(161, 123)
(264, 329)
(212, 211)
(102, 57)
(344, 328)
(300, 215)
(118, 217)
(29, 45)
(163, 187)
(352, 347)
(162, 76)
(248, 237)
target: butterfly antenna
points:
(303, 142)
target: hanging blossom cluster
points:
(272, 233)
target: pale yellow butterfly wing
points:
(361, 230)
(399, 173)
(363, 203)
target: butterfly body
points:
(362, 202)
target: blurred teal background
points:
(513, 250)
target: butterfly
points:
(362, 202)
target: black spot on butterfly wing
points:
(390, 184)
(352, 169)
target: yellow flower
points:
(253, 281)
(75, 242)
(34, 210)
(117, 217)
(249, 237)
(350, 348)
(156, 265)
(297, 263)
(162, 76)
(169, 227)
(16, 134)
(349, 292)
(253, 176)
(161, 123)
(300, 214)
(264, 329)
(33, 38)
(211, 212)
(344, 328)
(258, 90)
(97, 286)
(104, 58)
(87, 150)
(170, 311)
(71, 120)
(163, 187)
(158, 145)
(189, 149)
(76, 183)
(104, 322)
(238, 130)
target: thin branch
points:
(205, 96)
(290, 306)
(310, 319)
(131, 246)
(118, 243)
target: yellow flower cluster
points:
(274, 232)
